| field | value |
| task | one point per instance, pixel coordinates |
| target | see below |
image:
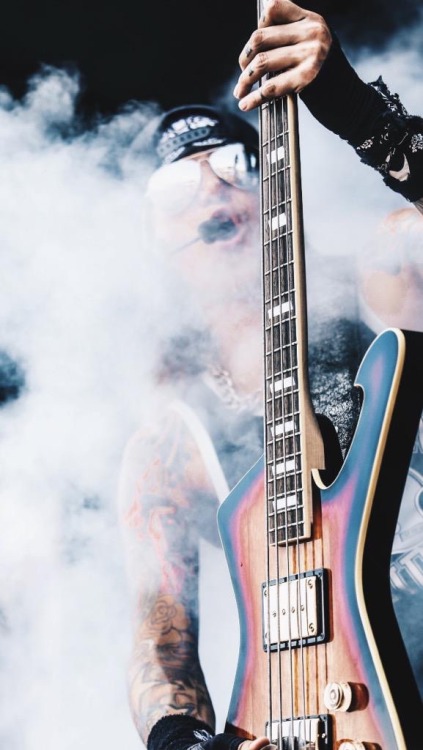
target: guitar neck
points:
(293, 444)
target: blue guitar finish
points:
(354, 522)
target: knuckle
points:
(313, 71)
(316, 51)
(319, 31)
(318, 43)
(272, 8)
(269, 90)
(261, 61)
(326, 36)
(310, 70)
(256, 40)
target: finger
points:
(314, 30)
(304, 60)
(270, 38)
(261, 743)
(288, 82)
(281, 11)
(273, 61)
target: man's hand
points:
(290, 42)
(262, 743)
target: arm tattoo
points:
(166, 677)
(160, 520)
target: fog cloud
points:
(81, 315)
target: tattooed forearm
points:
(166, 677)
(163, 508)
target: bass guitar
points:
(322, 664)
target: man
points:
(203, 207)
(203, 216)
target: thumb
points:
(283, 11)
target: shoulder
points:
(163, 458)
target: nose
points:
(211, 185)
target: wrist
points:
(178, 732)
(181, 732)
(372, 120)
(340, 100)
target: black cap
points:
(193, 128)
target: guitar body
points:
(344, 681)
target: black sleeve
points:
(372, 120)
(179, 732)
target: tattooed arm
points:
(163, 484)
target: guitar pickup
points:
(307, 733)
(295, 611)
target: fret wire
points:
(278, 373)
(289, 525)
(293, 434)
(291, 395)
(285, 488)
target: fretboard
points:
(288, 414)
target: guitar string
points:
(285, 395)
(270, 390)
(264, 169)
(284, 240)
(301, 598)
(278, 172)
(266, 505)
(281, 246)
(274, 171)
(271, 401)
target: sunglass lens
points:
(236, 165)
(174, 186)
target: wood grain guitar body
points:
(322, 663)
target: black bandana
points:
(190, 129)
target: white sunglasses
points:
(173, 187)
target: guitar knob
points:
(338, 696)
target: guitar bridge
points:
(294, 612)
(301, 733)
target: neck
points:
(239, 349)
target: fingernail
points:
(242, 105)
(235, 92)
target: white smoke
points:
(345, 200)
(81, 313)
(80, 295)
